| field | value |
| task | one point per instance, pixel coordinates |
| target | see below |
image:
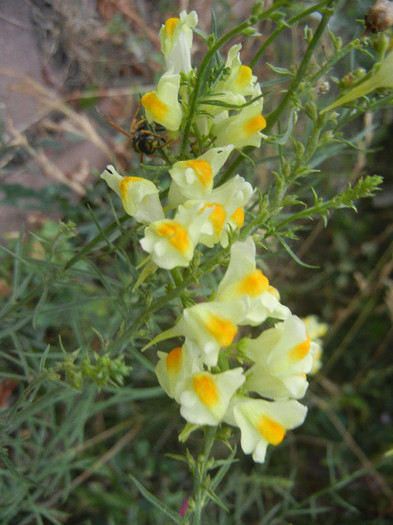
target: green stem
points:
(311, 147)
(207, 59)
(101, 237)
(240, 158)
(272, 118)
(193, 277)
(178, 279)
(334, 59)
(305, 213)
(200, 473)
(285, 25)
(204, 65)
(208, 267)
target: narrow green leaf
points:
(294, 256)
(174, 516)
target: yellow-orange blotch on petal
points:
(202, 169)
(238, 217)
(206, 389)
(300, 351)
(253, 284)
(157, 108)
(173, 361)
(222, 330)
(170, 26)
(176, 235)
(253, 125)
(125, 183)
(270, 430)
(217, 216)
(244, 76)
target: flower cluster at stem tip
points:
(260, 394)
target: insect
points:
(142, 138)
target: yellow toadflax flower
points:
(206, 396)
(193, 179)
(212, 326)
(175, 367)
(244, 128)
(239, 80)
(140, 197)
(176, 41)
(171, 242)
(243, 281)
(162, 106)
(225, 205)
(282, 357)
(264, 423)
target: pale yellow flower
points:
(226, 204)
(139, 196)
(176, 41)
(244, 128)
(243, 280)
(162, 106)
(193, 179)
(177, 366)
(206, 396)
(264, 423)
(282, 357)
(212, 326)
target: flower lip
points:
(206, 389)
(270, 430)
(176, 235)
(170, 26)
(157, 108)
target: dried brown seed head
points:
(380, 16)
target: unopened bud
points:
(350, 78)
(250, 31)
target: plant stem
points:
(178, 279)
(200, 472)
(206, 62)
(204, 65)
(240, 158)
(210, 264)
(281, 28)
(301, 73)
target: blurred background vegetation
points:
(67, 454)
